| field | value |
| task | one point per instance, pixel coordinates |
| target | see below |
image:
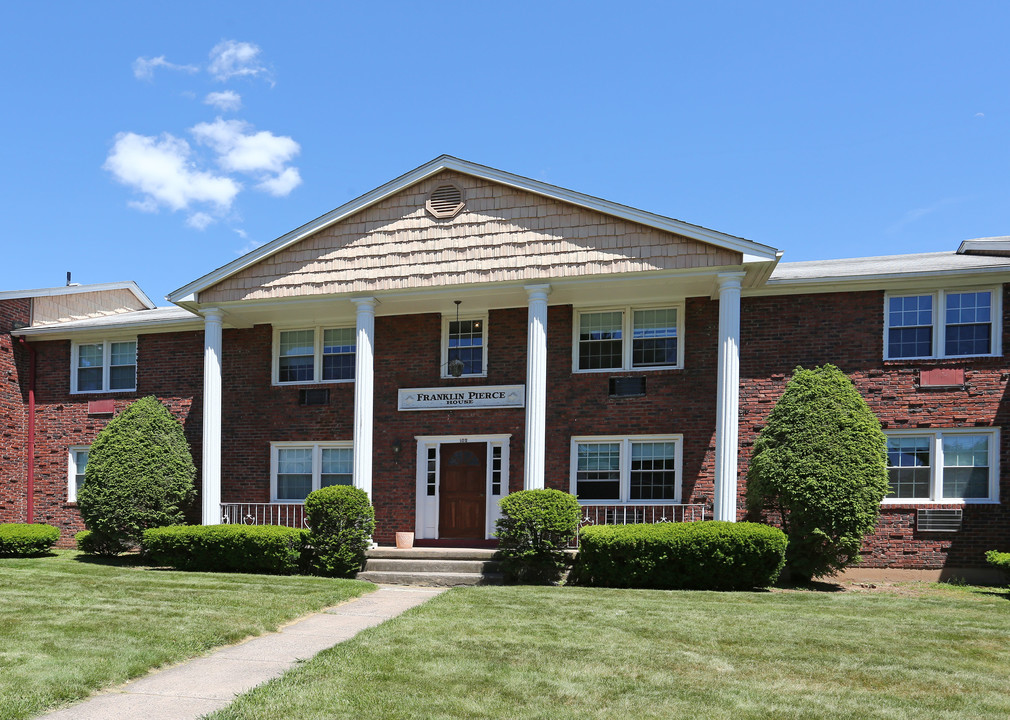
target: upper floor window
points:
(314, 355)
(76, 462)
(465, 340)
(601, 339)
(296, 469)
(105, 366)
(946, 323)
(943, 465)
(626, 469)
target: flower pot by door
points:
(404, 540)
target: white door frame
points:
(428, 476)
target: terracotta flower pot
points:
(404, 540)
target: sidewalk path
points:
(200, 686)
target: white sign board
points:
(475, 397)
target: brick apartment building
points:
(462, 332)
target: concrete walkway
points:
(197, 687)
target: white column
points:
(211, 467)
(364, 384)
(536, 386)
(727, 397)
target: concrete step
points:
(435, 565)
(432, 553)
(430, 579)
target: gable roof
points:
(128, 285)
(752, 251)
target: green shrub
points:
(820, 465)
(341, 522)
(535, 528)
(21, 539)
(139, 475)
(709, 555)
(93, 543)
(1000, 561)
(226, 548)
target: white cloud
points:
(230, 58)
(199, 220)
(283, 184)
(242, 151)
(161, 170)
(224, 101)
(143, 68)
(241, 233)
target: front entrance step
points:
(439, 567)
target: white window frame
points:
(72, 470)
(936, 437)
(627, 336)
(317, 461)
(317, 354)
(444, 369)
(106, 344)
(940, 321)
(626, 442)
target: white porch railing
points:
(631, 514)
(287, 514)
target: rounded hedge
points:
(533, 532)
(704, 555)
(24, 539)
(139, 475)
(341, 523)
(226, 548)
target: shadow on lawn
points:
(129, 560)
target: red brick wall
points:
(13, 412)
(846, 329)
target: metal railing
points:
(632, 514)
(286, 514)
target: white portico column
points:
(364, 383)
(727, 396)
(536, 387)
(211, 469)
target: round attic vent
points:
(445, 201)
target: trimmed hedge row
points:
(21, 539)
(227, 548)
(708, 555)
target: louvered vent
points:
(930, 520)
(445, 201)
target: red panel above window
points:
(101, 407)
(941, 377)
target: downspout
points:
(30, 491)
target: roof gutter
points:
(30, 489)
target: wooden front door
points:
(462, 490)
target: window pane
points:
(89, 379)
(910, 326)
(338, 354)
(80, 463)
(124, 353)
(598, 471)
(600, 345)
(296, 353)
(969, 323)
(123, 377)
(966, 466)
(908, 466)
(653, 471)
(466, 342)
(655, 338)
(89, 356)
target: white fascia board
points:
(76, 289)
(853, 283)
(447, 162)
(59, 332)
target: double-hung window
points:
(957, 465)
(464, 340)
(636, 469)
(297, 468)
(314, 355)
(945, 323)
(77, 460)
(104, 366)
(628, 339)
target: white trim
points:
(447, 162)
(106, 343)
(317, 461)
(443, 366)
(936, 436)
(72, 470)
(940, 321)
(317, 357)
(879, 281)
(426, 506)
(626, 441)
(627, 335)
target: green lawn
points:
(555, 653)
(69, 627)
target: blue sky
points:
(156, 142)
